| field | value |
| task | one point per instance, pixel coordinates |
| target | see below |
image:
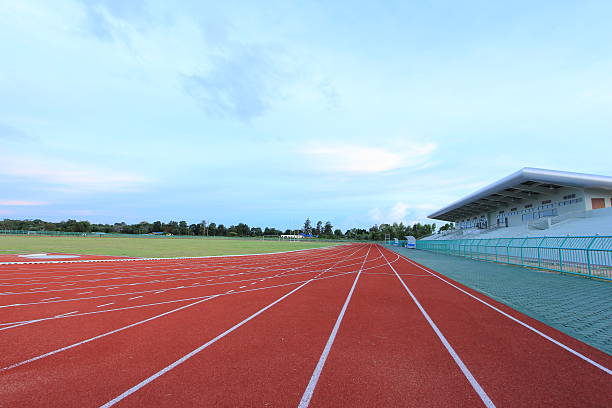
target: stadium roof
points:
(526, 184)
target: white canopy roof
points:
(526, 184)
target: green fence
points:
(586, 256)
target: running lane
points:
(85, 318)
(95, 372)
(516, 366)
(268, 362)
(386, 355)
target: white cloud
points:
(352, 158)
(396, 213)
(20, 203)
(64, 176)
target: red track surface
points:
(347, 326)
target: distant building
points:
(536, 197)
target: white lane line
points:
(466, 372)
(533, 329)
(314, 379)
(66, 314)
(135, 297)
(84, 293)
(106, 304)
(205, 345)
(57, 297)
(122, 294)
(20, 323)
(104, 334)
(10, 325)
(242, 287)
(251, 270)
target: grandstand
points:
(533, 203)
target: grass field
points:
(146, 247)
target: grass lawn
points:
(146, 247)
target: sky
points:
(270, 112)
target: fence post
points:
(588, 253)
(539, 256)
(496, 248)
(561, 255)
(522, 256)
(508, 251)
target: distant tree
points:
(338, 234)
(307, 226)
(195, 229)
(328, 229)
(319, 228)
(212, 229)
(183, 228)
(243, 230)
(221, 230)
(157, 226)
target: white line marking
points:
(326, 248)
(66, 314)
(314, 379)
(135, 297)
(104, 334)
(15, 324)
(205, 345)
(533, 329)
(106, 304)
(42, 300)
(466, 372)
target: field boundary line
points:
(314, 379)
(466, 371)
(169, 258)
(516, 320)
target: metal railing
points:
(586, 256)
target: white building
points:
(535, 198)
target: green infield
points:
(147, 247)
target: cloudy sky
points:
(270, 112)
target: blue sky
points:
(271, 112)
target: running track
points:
(349, 326)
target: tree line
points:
(319, 229)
